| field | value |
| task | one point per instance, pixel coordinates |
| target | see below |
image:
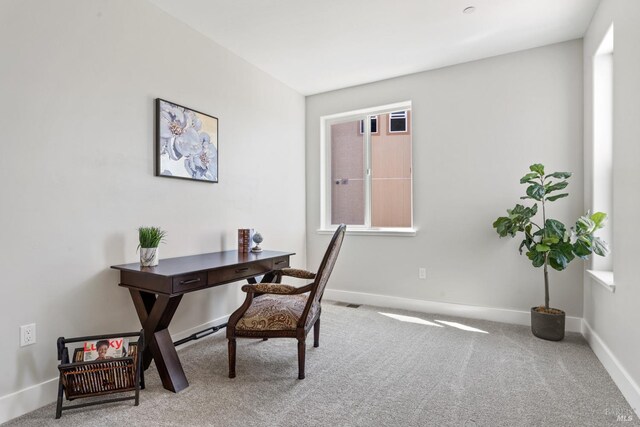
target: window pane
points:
(602, 193)
(391, 176)
(374, 124)
(347, 173)
(398, 121)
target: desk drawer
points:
(281, 262)
(239, 272)
(189, 282)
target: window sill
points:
(404, 232)
(605, 278)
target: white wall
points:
(613, 318)
(476, 129)
(77, 86)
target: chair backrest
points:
(325, 269)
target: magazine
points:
(110, 348)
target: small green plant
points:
(551, 243)
(150, 237)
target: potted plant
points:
(149, 240)
(550, 243)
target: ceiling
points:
(317, 46)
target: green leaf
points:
(528, 177)
(503, 226)
(600, 247)
(557, 186)
(582, 249)
(587, 238)
(585, 225)
(521, 211)
(537, 168)
(557, 260)
(524, 243)
(518, 219)
(566, 249)
(599, 219)
(537, 258)
(556, 197)
(535, 191)
(542, 248)
(554, 228)
(559, 175)
(150, 237)
(550, 240)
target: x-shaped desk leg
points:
(155, 313)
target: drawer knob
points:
(242, 270)
(187, 282)
(279, 262)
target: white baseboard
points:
(629, 388)
(28, 399)
(518, 317)
(36, 396)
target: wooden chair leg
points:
(316, 333)
(232, 357)
(301, 348)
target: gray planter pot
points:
(547, 326)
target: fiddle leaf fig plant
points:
(550, 242)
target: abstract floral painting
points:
(186, 143)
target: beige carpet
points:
(375, 370)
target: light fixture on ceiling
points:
(469, 9)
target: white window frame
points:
(325, 171)
(601, 270)
(403, 115)
(372, 118)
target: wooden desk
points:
(156, 293)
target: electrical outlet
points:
(422, 273)
(27, 334)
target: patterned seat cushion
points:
(275, 313)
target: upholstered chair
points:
(276, 310)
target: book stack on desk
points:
(245, 239)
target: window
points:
(366, 170)
(398, 122)
(374, 125)
(602, 177)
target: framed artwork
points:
(186, 143)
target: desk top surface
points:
(201, 262)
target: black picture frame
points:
(186, 143)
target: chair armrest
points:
(274, 288)
(298, 273)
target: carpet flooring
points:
(378, 367)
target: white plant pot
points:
(149, 257)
